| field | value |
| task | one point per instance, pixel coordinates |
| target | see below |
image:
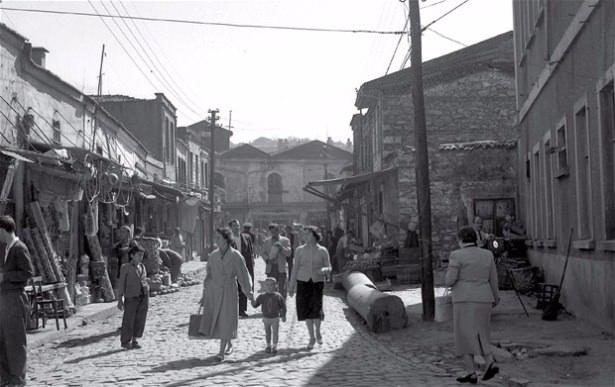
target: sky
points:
(277, 83)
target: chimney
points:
(38, 55)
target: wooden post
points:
(212, 165)
(422, 163)
(73, 258)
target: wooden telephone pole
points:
(212, 171)
(422, 162)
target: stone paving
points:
(350, 356)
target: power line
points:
(124, 49)
(155, 55)
(443, 16)
(398, 43)
(218, 24)
(162, 77)
(447, 37)
(158, 76)
(431, 5)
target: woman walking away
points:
(311, 267)
(225, 267)
(472, 275)
(133, 286)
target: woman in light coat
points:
(225, 267)
(312, 265)
(472, 275)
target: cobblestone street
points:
(349, 356)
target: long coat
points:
(220, 298)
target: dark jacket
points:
(17, 269)
(131, 284)
(246, 249)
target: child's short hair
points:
(272, 281)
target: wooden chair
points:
(44, 305)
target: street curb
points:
(34, 342)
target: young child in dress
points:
(274, 309)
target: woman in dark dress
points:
(312, 265)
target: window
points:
(197, 175)
(583, 174)
(206, 174)
(606, 100)
(173, 150)
(537, 194)
(274, 188)
(561, 152)
(57, 130)
(167, 139)
(493, 213)
(548, 191)
(190, 166)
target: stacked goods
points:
(151, 258)
(39, 255)
(40, 267)
(99, 268)
(47, 246)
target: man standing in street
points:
(243, 243)
(15, 270)
(119, 254)
(275, 251)
(292, 237)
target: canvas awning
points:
(343, 182)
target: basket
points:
(545, 295)
(444, 307)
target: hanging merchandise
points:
(91, 219)
(61, 207)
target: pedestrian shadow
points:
(255, 315)
(94, 356)
(184, 364)
(255, 360)
(82, 341)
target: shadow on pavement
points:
(82, 341)
(96, 355)
(255, 360)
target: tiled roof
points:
(496, 52)
(487, 144)
(245, 151)
(313, 150)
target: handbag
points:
(195, 323)
(444, 307)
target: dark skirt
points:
(309, 300)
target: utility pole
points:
(99, 93)
(212, 170)
(422, 162)
(230, 117)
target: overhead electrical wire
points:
(397, 46)
(161, 76)
(205, 23)
(124, 49)
(156, 57)
(443, 16)
(431, 5)
(139, 53)
(447, 37)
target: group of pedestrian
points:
(228, 284)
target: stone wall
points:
(475, 107)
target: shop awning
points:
(344, 182)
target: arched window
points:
(274, 188)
